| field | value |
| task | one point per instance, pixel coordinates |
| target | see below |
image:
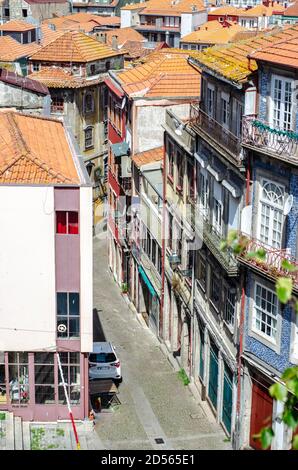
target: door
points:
(227, 404)
(202, 348)
(261, 410)
(213, 375)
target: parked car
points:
(104, 363)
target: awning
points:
(121, 149)
(147, 281)
(113, 88)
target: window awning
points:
(147, 281)
(113, 88)
(121, 149)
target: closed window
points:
(281, 114)
(89, 137)
(230, 305)
(36, 67)
(215, 290)
(204, 192)
(68, 315)
(170, 159)
(18, 371)
(272, 202)
(67, 222)
(201, 269)
(217, 215)
(3, 397)
(265, 312)
(225, 112)
(88, 103)
(44, 372)
(180, 170)
(210, 101)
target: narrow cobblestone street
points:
(154, 402)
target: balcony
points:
(272, 264)
(200, 223)
(216, 135)
(259, 135)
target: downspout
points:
(240, 351)
(163, 241)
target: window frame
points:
(90, 108)
(67, 223)
(89, 138)
(67, 317)
(280, 121)
(271, 339)
(273, 208)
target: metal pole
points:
(68, 404)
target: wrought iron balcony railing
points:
(214, 132)
(272, 263)
(275, 141)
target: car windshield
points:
(102, 357)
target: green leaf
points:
(283, 287)
(296, 307)
(289, 418)
(285, 264)
(295, 442)
(267, 435)
(278, 391)
(223, 245)
(232, 235)
(293, 386)
(290, 373)
(237, 248)
(261, 254)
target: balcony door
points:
(271, 221)
(282, 105)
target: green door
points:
(227, 399)
(213, 375)
(202, 348)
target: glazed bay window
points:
(18, 377)
(271, 213)
(44, 372)
(67, 222)
(70, 363)
(68, 315)
(265, 312)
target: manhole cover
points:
(159, 440)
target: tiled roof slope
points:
(34, 150)
(17, 25)
(11, 50)
(84, 21)
(282, 53)
(74, 47)
(149, 156)
(262, 10)
(292, 10)
(25, 83)
(221, 35)
(167, 6)
(162, 75)
(123, 35)
(233, 62)
(57, 77)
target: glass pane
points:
(12, 358)
(44, 358)
(62, 328)
(2, 358)
(75, 394)
(74, 327)
(102, 357)
(61, 303)
(74, 358)
(44, 374)
(60, 222)
(73, 222)
(74, 304)
(45, 394)
(23, 358)
(74, 375)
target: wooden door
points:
(261, 410)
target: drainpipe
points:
(163, 241)
(241, 327)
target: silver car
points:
(104, 363)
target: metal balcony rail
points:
(260, 134)
(272, 263)
(215, 131)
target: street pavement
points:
(154, 402)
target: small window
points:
(6, 11)
(108, 65)
(265, 312)
(57, 105)
(67, 222)
(36, 67)
(92, 69)
(88, 103)
(25, 12)
(89, 137)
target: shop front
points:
(31, 385)
(150, 306)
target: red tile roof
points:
(149, 156)
(17, 25)
(57, 77)
(282, 53)
(292, 10)
(34, 150)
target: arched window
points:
(88, 137)
(88, 103)
(271, 223)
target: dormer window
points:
(88, 103)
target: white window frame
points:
(210, 100)
(272, 339)
(272, 208)
(225, 98)
(204, 191)
(280, 121)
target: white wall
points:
(190, 21)
(27, 268)
(125, 16)
(149, 132)
(86, 269)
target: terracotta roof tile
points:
(17, 25)
(162, 7)
(233, 62)
(292, 10)
(123, 35)
(74, 47)
(282, 53)
(57, 77)
(34, 150)
(82, 21)
(11, 50)
(149, 156)
(220, 35)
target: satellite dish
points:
(288, 204)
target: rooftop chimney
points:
(115, 43)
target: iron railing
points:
(261, 135)
(214, 131)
